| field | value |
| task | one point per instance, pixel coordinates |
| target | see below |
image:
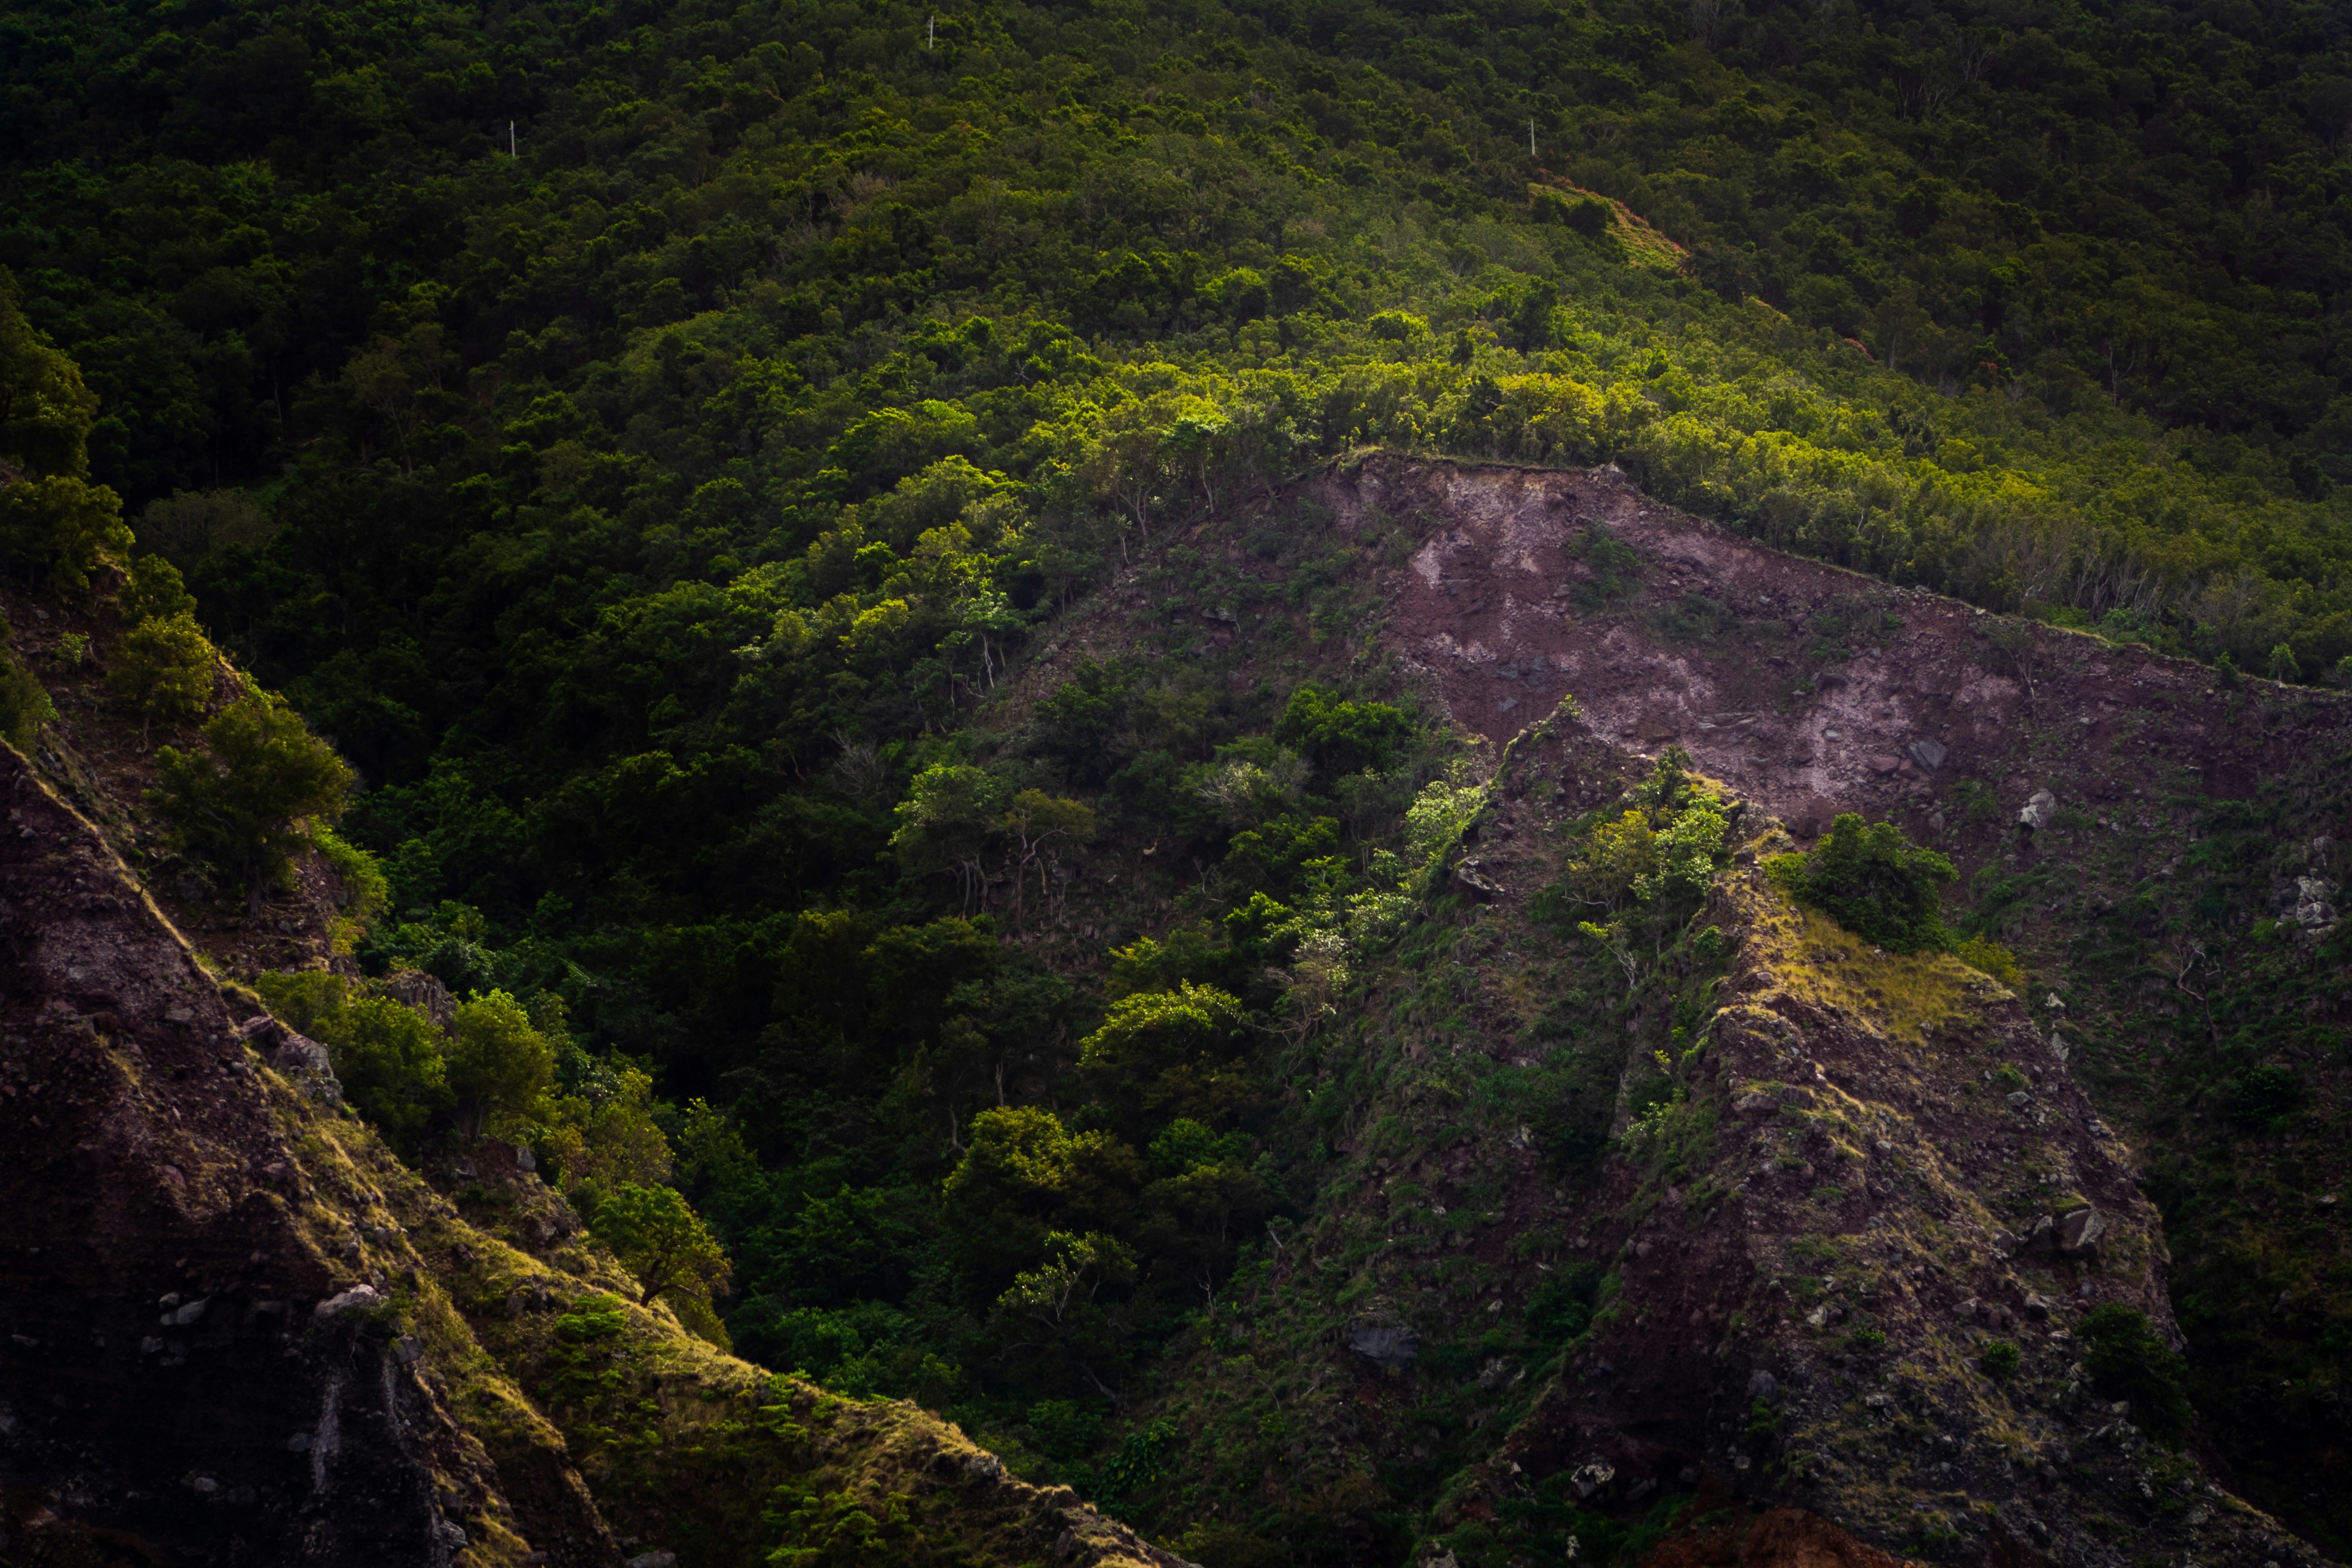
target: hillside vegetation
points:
(785, 514)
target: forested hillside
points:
(787, 512)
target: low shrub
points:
(1873, 881)
(2128, 1359)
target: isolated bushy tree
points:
(1645, 869)
(498, 1066)
(155, 590)
(1873, 881)
(389, 1058)
(658, 1238)
(245, 801)
(58, 529)
(165, 668)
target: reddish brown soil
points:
(1807, 722)
(1847, 1146)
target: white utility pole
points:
(931, 31)
(1531, 138)
(511, 153)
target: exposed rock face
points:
(1807, 1311)
(1848, 1268)
(167, 1381)
(1385, 1345)
(2311, 907)
(1893, 1149)
(1806, 690)
(423, 993)
(1812, 689)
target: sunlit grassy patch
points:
(1898, 995)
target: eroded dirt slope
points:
(99, 756)
(174, 1387)
(1883, 1172)
(1811, 689)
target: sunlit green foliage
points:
(165, 668)
(1161, 1056)
(657, 1238)
(1342, 738)
(1635, 879)
(1983, 952)
(1873, 881)
(497, 1065)
(817, 1529)
(154, 589)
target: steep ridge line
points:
(1846, 1133)
(1813, 1252)
(1843, 1159)
(1881, 1170)
(240, 1331)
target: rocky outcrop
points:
(238, 1330)
(1837, 1244)
(1850, 1260)
(171, 1380)
(1849, 1263)
(1903, 1214)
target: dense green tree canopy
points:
(641, 436)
